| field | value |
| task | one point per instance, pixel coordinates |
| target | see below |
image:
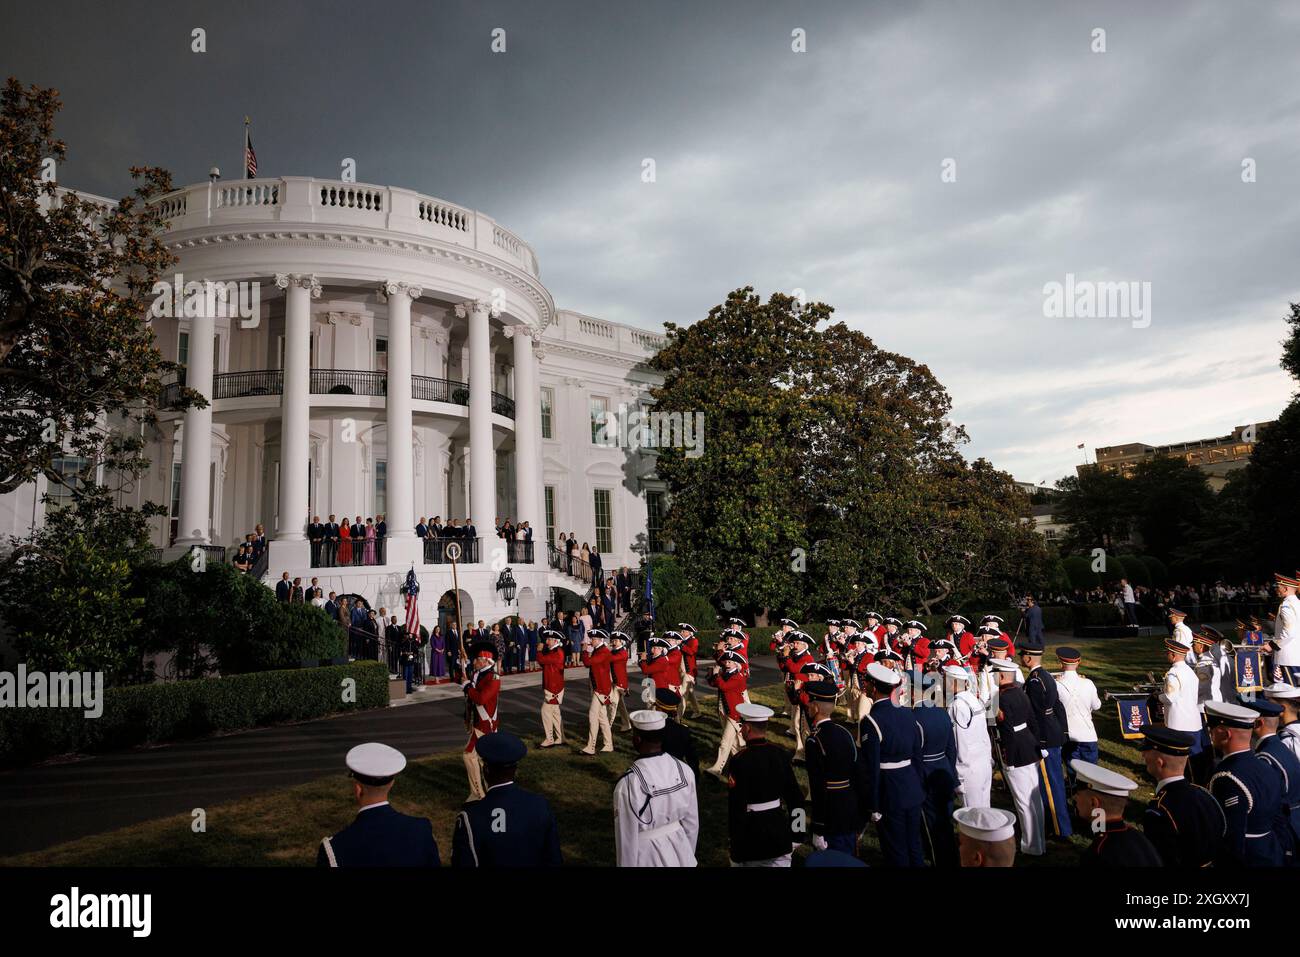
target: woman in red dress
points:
(345, 543)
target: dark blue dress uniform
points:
(508, 827)
(1250, 792)
(939, 777)
(834, 782)
(1186, 824)
(1040, 686)
(759, 778)
(892, 759)
(1272, 750)
(1120, 845)
(381, 837)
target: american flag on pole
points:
(250, 158)
(412, 591)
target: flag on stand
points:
(412, 592)
(250, 158)
(649, 590)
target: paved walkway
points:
(50, 804)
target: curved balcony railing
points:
(301, 199)
(238, 385)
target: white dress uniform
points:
(1183, 635)
(1210, 667)
(656, 817)
(1286, 635)
(1180, 698)
(974, 749)
(1079, 697)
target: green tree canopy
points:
(831, 477)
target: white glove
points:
(819, 842)
(876, 816)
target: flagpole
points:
(245, 147)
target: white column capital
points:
(392, 287)
(479, 307)
(306, 281)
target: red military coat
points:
(483, 691)
(597, 660)
(552, 663)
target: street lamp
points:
(506, 585)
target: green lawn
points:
(284, 827)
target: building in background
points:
(396, 355)
(1216, 457)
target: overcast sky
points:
(818, 170)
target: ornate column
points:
(528, 426)
(295, 419)
(193, 521)
(402, 546)
(482, 456)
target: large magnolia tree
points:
(831, 479)
(76, 283)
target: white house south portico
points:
(391, 368)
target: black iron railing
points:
(435, 550)
(235, 385)
(519, 553)
(503, 405)
(348, 382)
(568, 562)
(428, 389)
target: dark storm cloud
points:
(818, 171)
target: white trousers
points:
(1028, 797)
(618, 707)
(552, 718)
(730, 744)
(598, 721)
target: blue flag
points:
(1248, 669)
(649, 589)
(1133, 713)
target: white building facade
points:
(395, 355)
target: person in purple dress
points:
(370, 543)
(437, 653)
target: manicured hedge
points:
(175, 711)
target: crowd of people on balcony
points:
(579, 561)
(250, 550)
(337, 544)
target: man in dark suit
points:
(531, 835)
(421, 528)
(468, 530)
(283, 588)
(519, 638)
(381, 536)
(379, 836)
(623, 584)
(331, 606)
(331, 541)
(315, 535)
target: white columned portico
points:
(402, 546)
(295, 420)
(193, 522)
(482, 456)
(528, 456)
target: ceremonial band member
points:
(1285, 643)
(551, 658)
(891, 759)
(677, 739)
(1270, 747)
(1018, 736)
(1040, 686)
(1179, 694)
(481, 693)
(856, 700)
(656, 817)
(1078, 699)
(760, 780)
(938, 775)
(1103, 792)
(655, 664)
(799, 657)
(1288, 696)
(729, 678)
(595, 655)
(620, 649)
(834, 777)
(690, 653)
(1179, 631)
(1183, 821)
(1247, 788)
(970, 730)
(986, 836)
(379, 836)
(531, 835)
